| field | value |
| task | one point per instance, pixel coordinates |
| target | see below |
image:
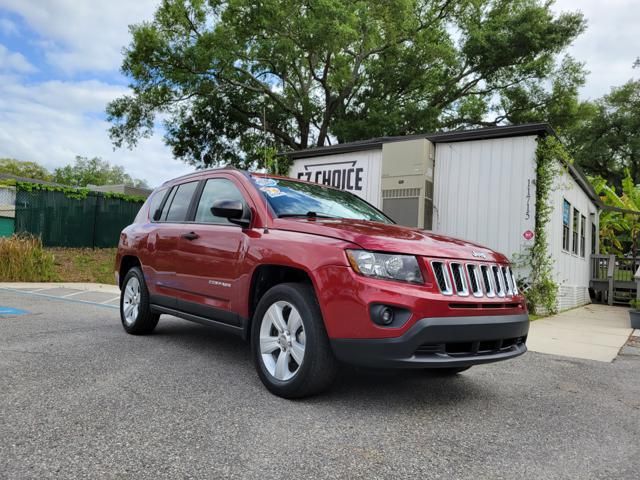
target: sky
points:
(60, 65)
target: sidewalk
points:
(593, 332)
(94, 293)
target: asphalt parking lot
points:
(79, 398)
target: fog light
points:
(386, 316)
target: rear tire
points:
(289, 343)
(135, 309)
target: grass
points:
(23, 259)
(84, 264)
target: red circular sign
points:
(528, 235)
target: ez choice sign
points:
(344, 175)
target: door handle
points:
(190, 236)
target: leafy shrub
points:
(635, 304)
(23, 259)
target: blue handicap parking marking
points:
(6, 311)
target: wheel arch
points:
(127, 263)
(267, 276)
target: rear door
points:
(148, 257)
(210, 257)
(163, 244)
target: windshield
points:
(289, 198)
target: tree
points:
(233, 77)
(24, 169)
(619, 227)
(607, 142)
(94, 171)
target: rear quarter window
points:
(155, 202)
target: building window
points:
(594, 238)
(583, 239)
(576, 226)
(566, 215)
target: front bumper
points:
(441, 342)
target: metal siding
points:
(572, 272)
(481, 191)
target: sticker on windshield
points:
(272, 192)
(266, 182)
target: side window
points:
(576, 227)
(583, 238)
(155, 202)
(216, 189)
(566, 219)
(179, 206)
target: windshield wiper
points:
(308, 215)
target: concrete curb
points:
(88, 287)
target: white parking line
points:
(42, 289)
(72, 294)
(56, 297)
(109, 301)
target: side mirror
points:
(232, 210)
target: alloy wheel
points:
(282, 340)
(131, 301)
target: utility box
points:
(7, 211)
(407, 182)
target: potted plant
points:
(634, 313)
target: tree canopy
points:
(94, 171)
(24, 169)
(607, 140)
(231, 77)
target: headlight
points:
(385, 265)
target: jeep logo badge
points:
(478, 254)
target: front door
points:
(211, 250)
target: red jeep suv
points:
(312, 276)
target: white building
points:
(478, 185)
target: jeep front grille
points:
(486, 280)
(471, 349)
(499, 282)
(507, 280)
(459, 279)
(474, 280)
(479, 280)
(442, 277)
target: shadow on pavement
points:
(373, 386)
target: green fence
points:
(94, 221)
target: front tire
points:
(289, 343)
(135, 309)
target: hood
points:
(391, 238)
